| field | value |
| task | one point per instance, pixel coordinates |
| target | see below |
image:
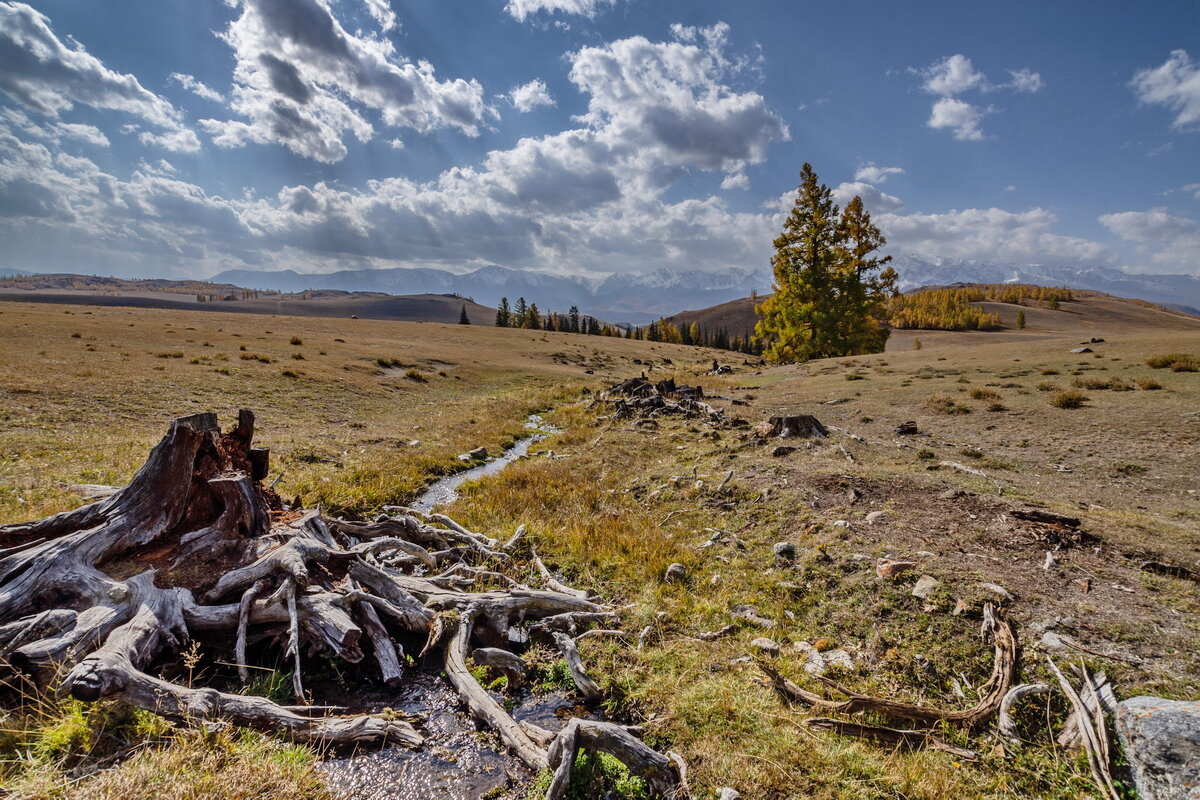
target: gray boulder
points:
(1162, 744)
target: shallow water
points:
(445, 490)
(458, 761)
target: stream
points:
(460, 760)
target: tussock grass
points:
(1176, 362)
(944, 404)
(1068, 398)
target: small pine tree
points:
(1021, 319)
(463, 319)
(520, 311)
(502, 314)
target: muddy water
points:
(445, 490)
(458, 761)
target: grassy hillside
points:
(371, 410)
(1089, 314)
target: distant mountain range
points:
(642, 298)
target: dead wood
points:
(877, 733)
(661, 773)
(997, 686)
(1089, 721)
(1006, 723)
(195, 549)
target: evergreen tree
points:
(830, 291)
(533, 320)
(502, 313)
(1021, 319)
(519, 313)
(573, 316)
(463, 319)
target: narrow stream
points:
(459, 760)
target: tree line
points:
(529, 317)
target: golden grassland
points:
(626, 501)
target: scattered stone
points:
(841, 523)
(768, 647)
(751, 615)
(907, 428)
(1162, 744)
(838, 658)
(889, 568)
(1081, 350)
(784, 551)
(875, 516)
(783, 450)
(952, 494)
(998, 590)
(725, 793)
(1055, 641)
(676, 573)
(925, 586)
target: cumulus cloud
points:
(1174, 84)
(668, 102)
(955, 75)
(992, 234)
(529, 96)
(1169, 241)
(737, 180)
(197, 88)
(303, 81)
(41, 72)
(381, 11)
(959, 116)
(873, 174)
(520, 9)
(875, 200)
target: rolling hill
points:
(1091, 314)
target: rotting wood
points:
(215, 558)
(878, 733)
(661, 773)
(1006, 724)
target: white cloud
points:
(873, 174)
(197, 88)
(396, 144)
(1174, 84)
(529, 96)
(959, 116)
(520, 9)
(42, 73)
(736, 180)
(1169, 241)
(303, 81)
(991, 234)
(1191, 188)
(875, 200)
(952, 75)
(381, 11)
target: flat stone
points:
(1162, 744)
(766, 646)
(875, 516)
(751, 615)
(838, 658)
(997, 590)
(841, 523)
(925, 586)
(675, 573)
(1081, 349)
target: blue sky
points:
(178, 138)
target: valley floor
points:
(371, 411)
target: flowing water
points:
(459, 760)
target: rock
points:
(676, 573)
(998, 590)
(783, 450)
(751, 615)
(907, 429)
(888, 568)
(1054, 641)
(479, 453)
(841, 523)
(768, 647)
(1162, 744)
(875, 516)
(784, 551)
(1081, 349)
(725, 793)
(838, 658)
(925, 586)
(952, 494)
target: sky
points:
(179, 138)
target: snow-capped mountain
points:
(641, 298)
(1173, 290)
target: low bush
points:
(1176, 362)
(1068, 398)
